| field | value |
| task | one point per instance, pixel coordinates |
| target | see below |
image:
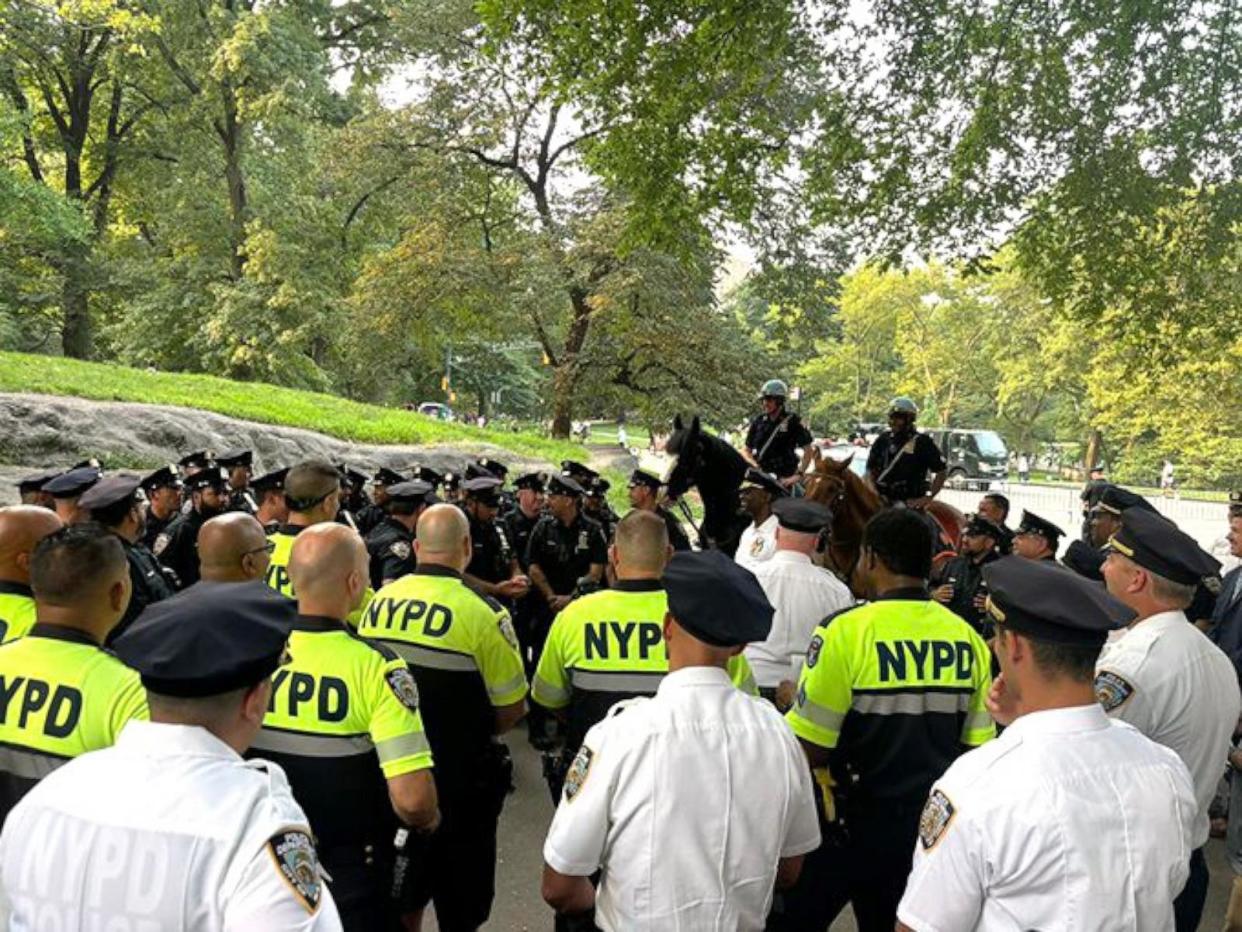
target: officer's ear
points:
(668, 627)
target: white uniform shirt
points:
(1165, 678)
(1067, 821)
(167, 829)
(803, 595)
(687, 800)
(757, 543)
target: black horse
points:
(717, 470)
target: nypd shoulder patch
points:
(399, 549)
(1112, 690)
(578, 771)
(506, 629)
(812, 651)
(401, 682)
(937, 814)
(293, 854)
(161, 544)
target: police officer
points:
(177, 547)
(595, 506)
(901, 459)
(451, 486)
(163, 491)
(493, 568)
(30, 489)
(757, 542)
(1163, 676)
(565, 555)
(313, 493)
(774, 436)
(995, 507)
(1037, 538)
(1014, 828)
(194, 462)
(391, 544)
(344, 725)
(68, 487)
(1090, 497)
(64, 694)
(891, 692)
(239, 464)
(371, 515)
(21, 529)
(115, 502)
(644, 491)
(232, 548)
(961, 586)
(427, 474)
(464, 656)
(185, 835)
(659, 798)
(353, 494)
(609, 645)
(519, 524)
(269, 494)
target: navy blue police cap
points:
(74, 482)
(802, 515)
(165, 477)
(1114, 500)
(531, 480)
(354, 477)
(386, 477)
(451, 481)
(561, 484)
(485, 489)
(578, 471)
(427, 474)
(110, 490)
(646, 478)
(199, 459)
(1157, 544)
(212, 638)
(211, 477)
(758, 479)
(494, 467)
(1033, 524)
(984, 527)
(270, 480)
(236, 458)
(36, 481)
(598, 488)
(1039, 599)
(1085, 560)
(477, 471)
(715, 599)
(413, 490)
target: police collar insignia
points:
(578, 772)
(294, 855)
(937, 814)
(401, 682)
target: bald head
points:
(640, 548)
(328, 569)
(443, 537)
(21, 527)
(232, 548)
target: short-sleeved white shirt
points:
(803, 595)
(687, 801)
(1067, 821)
(757, 543)
(1169, 681)
(167, 829)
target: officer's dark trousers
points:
(1188, 907)
(868, 869)
(362, 890)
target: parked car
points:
(434, 409)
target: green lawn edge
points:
(257, 401)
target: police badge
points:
(401, 682)
(576, 776)
(293, 853)
(506, 628)
(937, 814)
(756, 546)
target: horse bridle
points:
(833, 541)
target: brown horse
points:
(853, 501)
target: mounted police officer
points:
(901, 459)
(774, 436)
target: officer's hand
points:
(1001, 703)
(942, 594)
(790, 481)
(514, 588)
(559, 602)
(786, 692)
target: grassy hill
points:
(256, 401)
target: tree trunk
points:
(1094, 441)
(77, 339)
(563, 381)
(231, 134)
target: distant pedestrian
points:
(1168, 483)
(1024, 468)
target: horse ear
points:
(849, 459)
(677, 422)
(694, 425)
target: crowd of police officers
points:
(377, 650)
